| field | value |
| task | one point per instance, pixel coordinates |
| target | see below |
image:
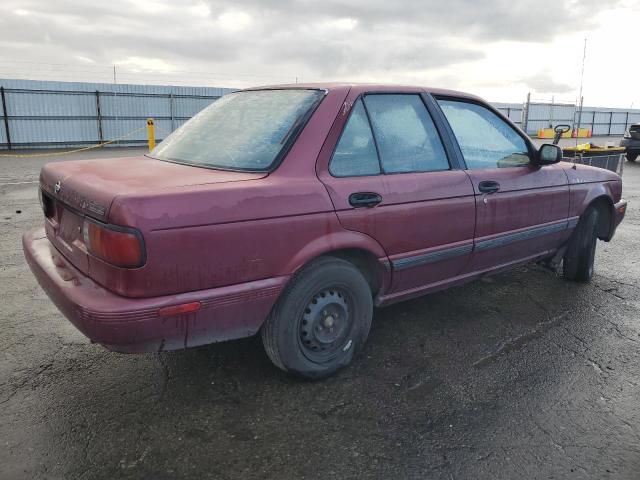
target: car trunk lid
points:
(90, 186)
(74, 189)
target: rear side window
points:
(355, 154)
(407, 138)
(485, 139)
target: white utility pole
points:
(580, 97)
(115, 103)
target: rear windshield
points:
(240, 131)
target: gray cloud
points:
(316, 39)
(528, 20)
(542, 82)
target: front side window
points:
(485, 139)
(407, 138)
(355, 154)
(241, 131)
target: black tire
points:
(314, 340)
(577, 264)
(632, 156)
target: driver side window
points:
(485, 139)
(407, 138)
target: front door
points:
(521, 208)
(389, 176)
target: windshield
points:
(240, 131)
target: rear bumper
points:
(134, 324)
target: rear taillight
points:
(119, 246)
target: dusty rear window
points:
(241, 131)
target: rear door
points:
(521, 208)
(390, 177)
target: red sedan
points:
(293, 210)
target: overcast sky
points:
(499, 49)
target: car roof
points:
(370, 87)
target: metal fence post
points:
(525, 113)
(626, 122)
(171, 101)
(610, 121)
(6, 117)
(99, 117)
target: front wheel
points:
(632, 156)
(577, 264)
(321, 320)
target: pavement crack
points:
(619, 282)
(520, 341)
(22, 384)
(333, 409)
(165, 377)
(569, 349)
(595, 364)
(616, 327)
(578, 338)
(609, 290)
(559, 446)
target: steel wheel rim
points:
(326, 322)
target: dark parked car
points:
(631, 142)
(294, 210)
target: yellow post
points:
(151, 134)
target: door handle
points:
(488, 186)
(364, 199)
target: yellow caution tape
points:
(52, 154)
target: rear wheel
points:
(579, 258)
(632, 156)
(321, 320)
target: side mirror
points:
(548, 154)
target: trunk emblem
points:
(57, 187)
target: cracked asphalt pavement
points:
(520, 375)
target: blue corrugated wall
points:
(71, 114)
(46, 114)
